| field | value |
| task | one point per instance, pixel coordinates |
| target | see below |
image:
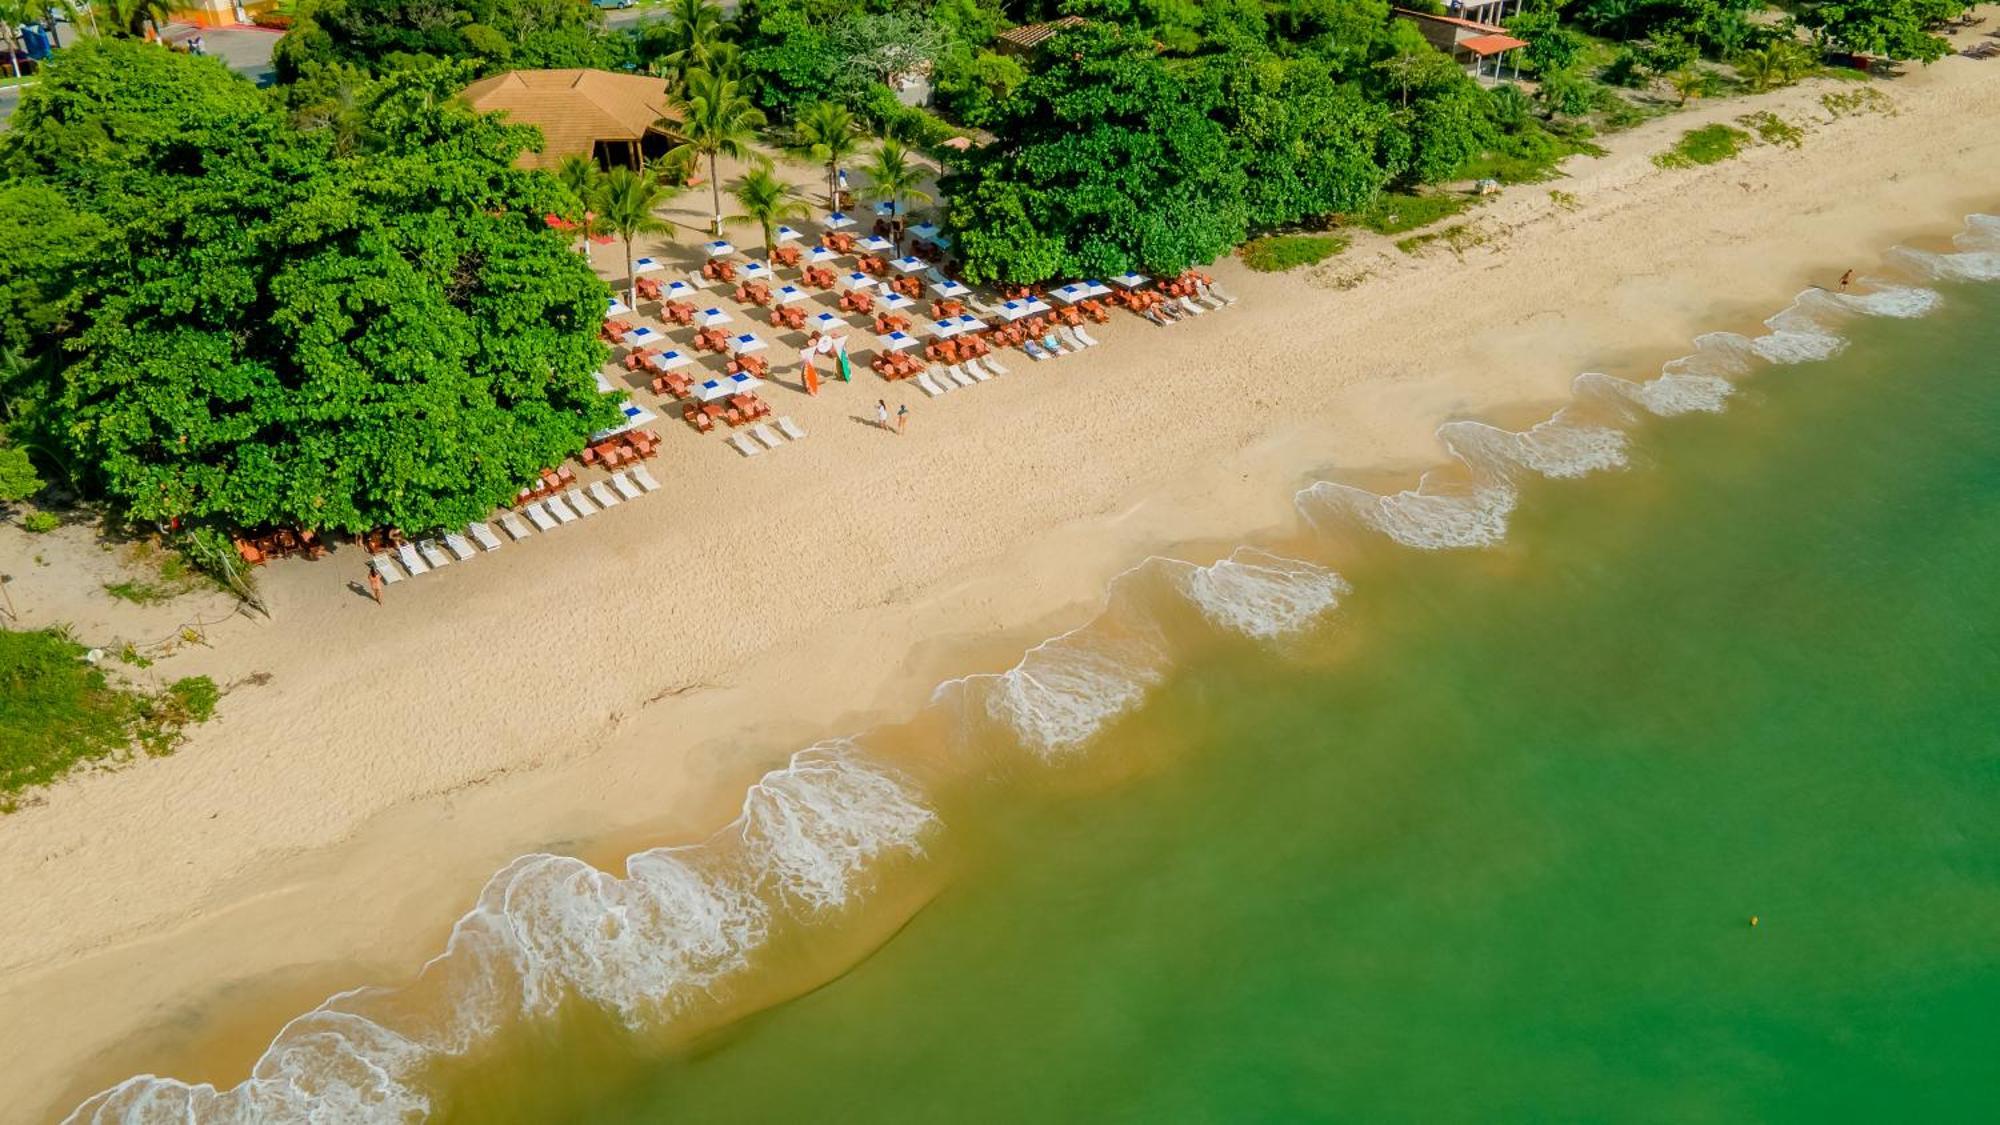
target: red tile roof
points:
(1483, 45)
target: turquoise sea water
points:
(1474, 831)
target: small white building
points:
(1485, 50)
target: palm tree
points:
(1762, 69)
(625, 203)
(1689, 81)
(716, 120)
(894, 176)
(129, 18)
(692, 36)
(579, 175)
(765, 200)
(826, 131)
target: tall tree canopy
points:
(267, 332)
(492, 34)
(1892, 29)
(1106, 162)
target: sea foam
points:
(545, 928)
(1067, 688)
(1474, 516)
(1259, 595)
(1558, 448)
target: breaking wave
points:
(1067, 688)
(1475, 516)
(1557, 448)
(1262, 596)
(1666, 396)
(548, 928)
(1977, 257)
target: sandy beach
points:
(624, 679)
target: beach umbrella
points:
(909, 264)
(969, 323)
(820, 255)
(827, 322)
(945, 329)
(787, 234)
(647, 265)
(876, 244)
(1095, 288)
(1015, 310)
(925, 231)
(885, 210)
(855, 280)
(745, 343)
(635, 416)
(1037, 305)
(837, 220)
(949, 288)
(668, 361)
(898, 341)
(712, 317)
(1130, 280)
(643, 335)
(756, 270)
(896, 301)
(786, 294)
(603, 382)
(616, 307)
(718, 248)
(679, 289)
(712, 390)
(1072, 293)
(942, 242)
(742, 383)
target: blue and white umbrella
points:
(712, 317)
(885, 210)
(755, 270)
(949, 288)
(898, 341)
(787, 234)
(855, 280)
(827, 322)
(679, 289)
(668, 361)
(647, 265)
(838, 220)
(896, 301)
(786, 294)
(925, 231)
(642, 335)
(746, 342)
(909, 264)
(616, 307)
(876, 244)
(1130, 280)
(820, 255)
(718, 248)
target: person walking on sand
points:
(902, 419)
(375, 583)
(882, 413)
(1847, 279)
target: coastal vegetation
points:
(59, 709)
(1276, 253)
(1710, 144)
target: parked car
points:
(612, 3)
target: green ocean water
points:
(1485, 846)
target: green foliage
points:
(1279, 252)
(274, 334)
(57, 712)
(624, 202)
(1708, 145)
(18, 479)
(716, 120)
(826, 132)
(1777, 63)
(1308, 144)
(1717, 28)
(1890, 29)
(1551, 46)
(40, 523)
(1772, 129)
(492, 35)
(766, 201)
(1398, 212)
(1106, 162)
(1565, 92)
(971, 85)
(894, 177)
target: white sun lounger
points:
(981, 307)
(644, 476)
(602, 493)
(1034, 351)
(930, 388)
(561, 511)
(973, 369)
(1089, 341)
(580, 502)
(1228, 298)
(1208, 297)
(1189, 304)
(411, 560)
(992, 363)
(790, 428)
(384, 566)
(483, 535)
(1068, 336)
(458, 545)
(744, 445)
(623, 483)
(433, 554)
(956, 374)
(539, 515)
(767, 435)
(512, 525)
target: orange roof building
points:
(613, 118)
(1481, 48)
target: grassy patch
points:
(1279, 252)
(1710, 144)
(1772, 129)
(1395, 212)
(1458, 238)
(1565, 200)
(40, 523)
(1848, 103)
(58, 711)
(138, 591)
(176, 577)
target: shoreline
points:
(1027, 574)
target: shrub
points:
(1709, 145)
(40, 522)
(1772, 129)
(1395, 212)
(1279, 252)
(194, 698)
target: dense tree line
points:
(219, 318)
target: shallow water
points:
(1472, 829)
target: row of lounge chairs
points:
(953, 376)
(568, 506)
(1059, 340)
(761, 437)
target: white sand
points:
(629, 674)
